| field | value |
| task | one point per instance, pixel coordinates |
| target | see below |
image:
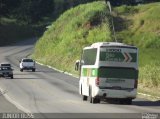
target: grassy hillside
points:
(142, 28)
(81, 26)
(62, 44)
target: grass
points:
(144, 27)
(83, 25)
(149, 76)
(62, 44)
(143, 30)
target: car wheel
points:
(21, 70)
(33, 70)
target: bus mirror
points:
(77, 65)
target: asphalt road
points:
(48, 93)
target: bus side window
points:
(89, 56)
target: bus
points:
(108, 70)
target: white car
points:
(27, 64)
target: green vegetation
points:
(143, 30)
(22, 19)
(139, 25)
(62, 44)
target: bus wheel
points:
(94, 100)
(98, 100)
(90, 95)
(90, 99)
(84, 98)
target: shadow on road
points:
(20, 78)
(45, 71)
(135, 102)
(146, 103)
(26, 78)
(20, 74)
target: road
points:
(49, 91)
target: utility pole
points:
(113, 28)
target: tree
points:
(8, 6)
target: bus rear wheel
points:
(94, 100)
(84, 98)
(97, 100)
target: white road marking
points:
(20, 107)
(57, 70)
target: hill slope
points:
(139, 25)
(142, 26)
(61, 44)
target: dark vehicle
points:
(6, 70)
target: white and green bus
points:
(108, 70)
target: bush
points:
(149, 75)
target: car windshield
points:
(5, 65)
(5, 68)
(27, 60)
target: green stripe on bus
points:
(84, 72)
(91, 72)
(105, 72)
